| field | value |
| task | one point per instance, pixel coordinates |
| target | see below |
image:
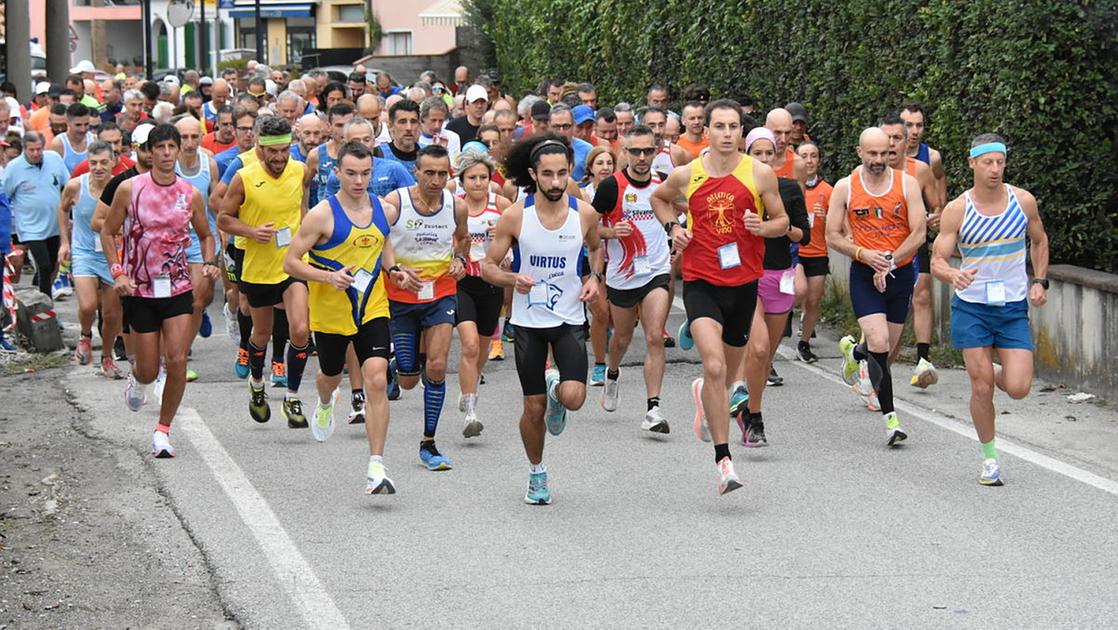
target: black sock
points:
(882, 380)
(296, 363)
(653, 402)
(720, 451)
(922, 350)
(613, 374)
(279, 334)
(804, 345)
(861, 352)
(244, 322)
(357, 396)
(256, 361)
(755, 418)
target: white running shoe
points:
(654, 421)
(322, 426)
(135, 394)
(158, 385)
(991, 473)
(610, 393)
(862, 385)
(161, 445)
(728, 479)
(700, 421)
(377, 481)
(924, 374)
(471, 426)
(232, 326)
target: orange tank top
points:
(910, 166)
(818, 201)
(788, 169)
(878, 221)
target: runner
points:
(82, 245)
(989, 312)
(814, 266)
(264, 205)
(387, 176)
(155, 209)
(403, 125)
(348, 302)
(320, 162)
(693, 139)
(72, 144)
(430, 242)
(722, 251)
(883, 208)
(479, 303)
(637, 271)
(310, 130)
(786, 163)
(669, 155)
(546, 232)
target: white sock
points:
(736, 385)
(376, 459)
(537, 468)
(289, 395)
(257, 384)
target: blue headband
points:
(989, 147)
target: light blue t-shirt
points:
(34, 192)
(387, 176)
(582, 149)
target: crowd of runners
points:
(367, 222)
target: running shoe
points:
(497, 350)
(872, 403)
(431, 457)
(279, 374)
(323, 426)
(393, 380)
(739, 401)
(728, 479)
(700, 421)
(924, 374)
(556, 415)
(120, 353)
(610, 393)
(774, 380)
(991, 473)
(61, 287)
(684, 336)
(293, 411)
(654, 421)
(240, 366)
(232, 327)
(258, 403)
(893, 429)
(862, 384)
(849, 365)
(471, 426)
(109, 369)
(7, 346)
(83, 354)
(357, 402)
(754, 436)
(804, 353)
(538, 493)
(377, 481)
(207, 327)
(669, 341)
(507, 335)
(191, 375)
(161, 445)
(598, 375)
(135, 394)
(158, 385)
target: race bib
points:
(788, 282)
(642, 266)
(283, 237)
(98, 246)
(728, 256)
(995, 293)
(537, 295)
(426, 291)
(361, 280)
(161, 286)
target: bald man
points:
(219, 97)
(461, 80)
(786, 163)
(368, 107)
(309, 132)
(885, 213)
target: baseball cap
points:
(540, 109)
(84, 65)
(55, 90)
(798, 111)
(206, 81)
(141, 132)
(42, 87)
(172, 79)
(476, 93)
(583, 114)
(270, 87)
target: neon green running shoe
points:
(849, 365)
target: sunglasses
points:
(639, 151)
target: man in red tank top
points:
(722, 249)
(885, 213)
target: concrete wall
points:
(1075, 334)
(395, 15)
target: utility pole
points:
(146, 13)
(58, 39)
(202, 56)
(17, 20)
(260, 40)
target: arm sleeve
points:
(605, 196)
(796, 207)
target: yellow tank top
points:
(342, 312)
(248, 157)
(275, 200)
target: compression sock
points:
(433, 395)
(244, 323)
(279, 333)
(256, 362)
(922, 350)
(860, 352)
(882, 380)
(404, 350)
(296, 363)
(989, 450)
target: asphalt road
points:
(832, 528)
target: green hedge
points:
(1043, 74)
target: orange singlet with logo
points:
(818, 201)
(910, 166)
(788, 169)
(716, 217)
(879, 221)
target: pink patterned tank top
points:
(157, 234)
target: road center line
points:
(293, 572)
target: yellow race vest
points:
(270, 200)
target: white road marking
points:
(293, 572)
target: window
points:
(351, 13)
(300, 35)
(397, 43)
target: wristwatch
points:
(1041, 281)
(668, 227)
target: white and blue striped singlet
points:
(995, 246)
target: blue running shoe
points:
(738, 401)
(684, 336)
(598, 375)
(538, 493)
(240, 366)
(556, 415)
(393, 381)
(207, 327)
(431, 457)
(507, 335)
(991, 473)
(6, 345)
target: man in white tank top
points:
(637, 270)
(546, 232)
(989, 223)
